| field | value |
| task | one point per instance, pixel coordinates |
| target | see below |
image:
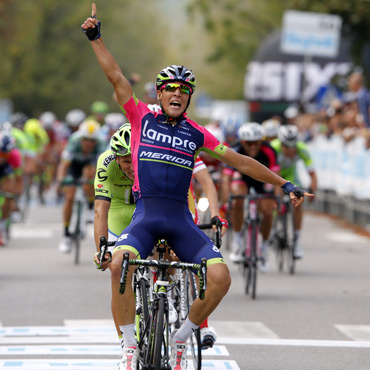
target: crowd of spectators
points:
(346, 116)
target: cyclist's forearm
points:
(100, 221)
(205, 180)
(112, 71)
(62, 170)
(313, 181)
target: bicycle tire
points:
(194, 340)
(290, 240)
(278, 242)
(77, 233)
(158, 334)
(254, 260)
(142, 310)
(251, 262)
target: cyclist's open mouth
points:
(175, 104)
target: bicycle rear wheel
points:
(194, 340)
(251, 261)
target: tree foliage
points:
(237, 27)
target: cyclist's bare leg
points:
(238, 188)
(69, 194)
(298, 217)
(7, 184)
(266, 206)
(218, 284)
(88, 173)
(123, 306)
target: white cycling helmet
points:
(251, 131)
(89, 129)
(154, 108)
(288, 135)
(291, 112)
(75, 117)
(47, 119)
(271, 127)
(114, 120)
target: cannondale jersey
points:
(163, 154)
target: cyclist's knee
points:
(218, 278)
(116, 264)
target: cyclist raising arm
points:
(163, 148)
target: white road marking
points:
(295, 342)
(57, 331)
(238, 329)
(78, 350)
(73, 364)
(89, 323)
(355, 332)
(26, 233)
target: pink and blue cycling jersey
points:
(163, 154)
(163, 157)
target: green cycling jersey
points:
(288, 165)
(112, 185)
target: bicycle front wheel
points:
(158, 334)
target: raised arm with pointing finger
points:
(108, 64)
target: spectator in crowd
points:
(362, 95)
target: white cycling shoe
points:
(65, 245)
(129, 359)
(178, 354)
(172, 313)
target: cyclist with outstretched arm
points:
(164, 146)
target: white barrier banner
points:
(342, 167)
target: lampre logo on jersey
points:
(153, 136)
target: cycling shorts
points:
(169, 219)
(75, 169)
(6, 170)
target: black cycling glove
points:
(93, 33)
(288, 188)
(219, 222)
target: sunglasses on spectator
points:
(172, 87)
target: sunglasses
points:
(172, 87)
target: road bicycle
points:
(78, 224)
(251, 257)
(152, 305)
(282, 237)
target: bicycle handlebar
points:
(103, 246)
(218, 233)
(253, 196)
